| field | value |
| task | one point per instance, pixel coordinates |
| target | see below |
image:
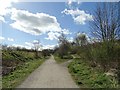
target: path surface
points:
(49, 75)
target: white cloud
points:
(2, 19)
(73, 4)
(66, 31)
(36, 24)
(53, 35)
(79, 16)
(70, 39)
(48, 46)
(36, 41)
(20, 46)
(69, 2)
(10, 39)
(17, 45)
(29, 44)
(2, 38)
(87, 37)
(5, 6)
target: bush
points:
(89, 77)
(105, 55)
(12, 58)
(67, 57)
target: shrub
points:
(67, 57)
(89, 77)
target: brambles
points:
(88, 77)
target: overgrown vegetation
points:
(18, 63)
(88, 77)
(62, 53)
(101, 51)
(66, 58)
(14, 78)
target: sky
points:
(24, 23)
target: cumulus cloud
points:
(70, 39)
(41, 47)
(73, 4)
(2, 19)
(53, 35)
(2, 38)
(71, 1)
(79, 16)
(33, 44)
(36, 24)
(34, 41)
(29, 44)
(49, 46)
(20, 46)
(5, 6)
(10, 39)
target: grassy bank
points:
(17, 65)
(17, 76)
(88, 77)
(59, 60)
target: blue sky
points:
(48, 19)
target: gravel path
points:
(49, 75)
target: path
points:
(49, 75)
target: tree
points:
(105, 25)
(64, 46)
(81, 39)
(36, 47)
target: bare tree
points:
(62, 39)
(64, 45)
(36, 47)
(105, 25)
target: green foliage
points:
(60, 60)
(67, 57)
(64, 46)
(106, 54)
(17, 55)
(86, 76)
(16, 77)
(13, 58)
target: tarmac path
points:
(49, 75)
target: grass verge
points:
(87, 77)
(16, 77)
(59, 60)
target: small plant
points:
(89, 77)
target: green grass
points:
(16, 77)
(59, 60)
(86, 76)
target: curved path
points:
(49, 75)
